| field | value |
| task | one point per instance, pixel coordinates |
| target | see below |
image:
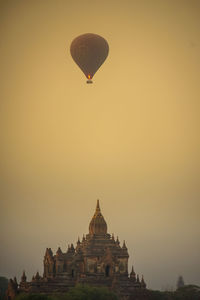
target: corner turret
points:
(143, 284)
(132, 275)
(59, 252)
(23, 278)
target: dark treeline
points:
(3, 287)
(80, 292)
(189, 292)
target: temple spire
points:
(124, 246)
(98, 210)
(117, 241)
(98, 207)
(132, 275)
(59, 252)
(23, 278)
(98, 224)
(132, 271)
(143, 284)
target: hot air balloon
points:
(89, 51)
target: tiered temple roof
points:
(97, 260)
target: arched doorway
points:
(107, 271)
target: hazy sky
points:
(130, 139)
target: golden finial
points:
(98, 206)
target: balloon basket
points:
(89, 81)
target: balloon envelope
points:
(89, 51)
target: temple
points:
(97, 260)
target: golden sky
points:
(130, 139)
